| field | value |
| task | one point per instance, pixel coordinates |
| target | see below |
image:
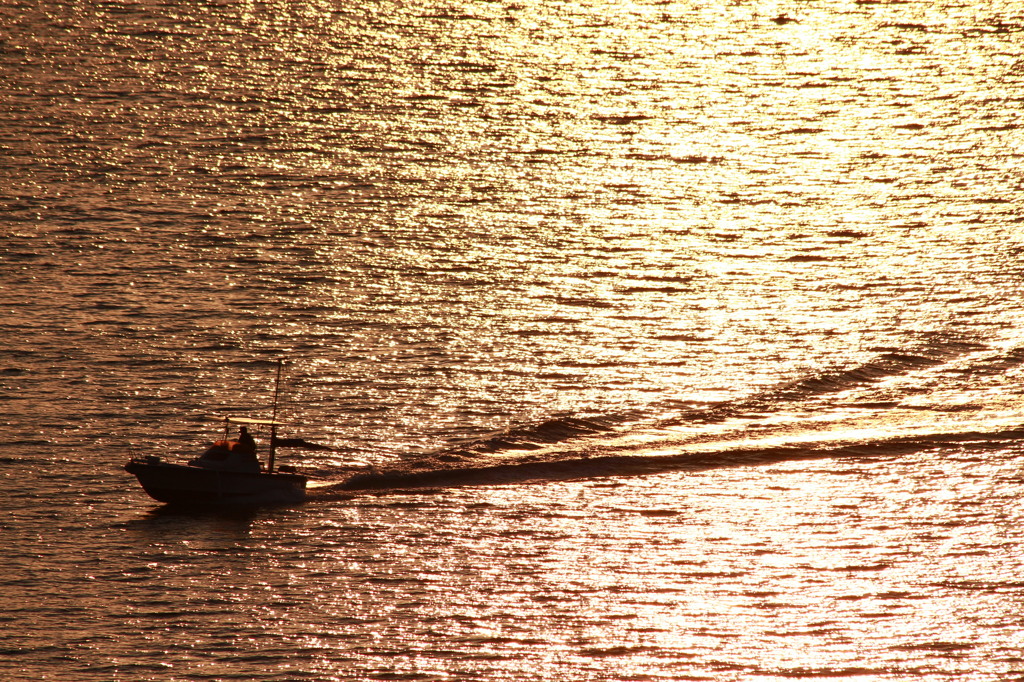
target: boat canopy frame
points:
(249, 421)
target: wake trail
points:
(803, 391)
(579, 466)
(829, 414)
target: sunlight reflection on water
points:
(526, 238)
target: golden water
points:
(689, 330)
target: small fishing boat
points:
(228, 473)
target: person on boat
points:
(246, 444)
(231, 455)
(245, 448)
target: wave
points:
(576, 466)
(890, 363)
(616, 445)
(535, 437)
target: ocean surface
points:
(645, 341)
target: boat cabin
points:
(229, 455)
(239, 454)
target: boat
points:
(227, 473)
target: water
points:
(651, 341)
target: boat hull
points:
(179, 484)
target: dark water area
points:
(642, 341)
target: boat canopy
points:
(246, 420)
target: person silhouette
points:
(246, 443)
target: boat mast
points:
(273, 417)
